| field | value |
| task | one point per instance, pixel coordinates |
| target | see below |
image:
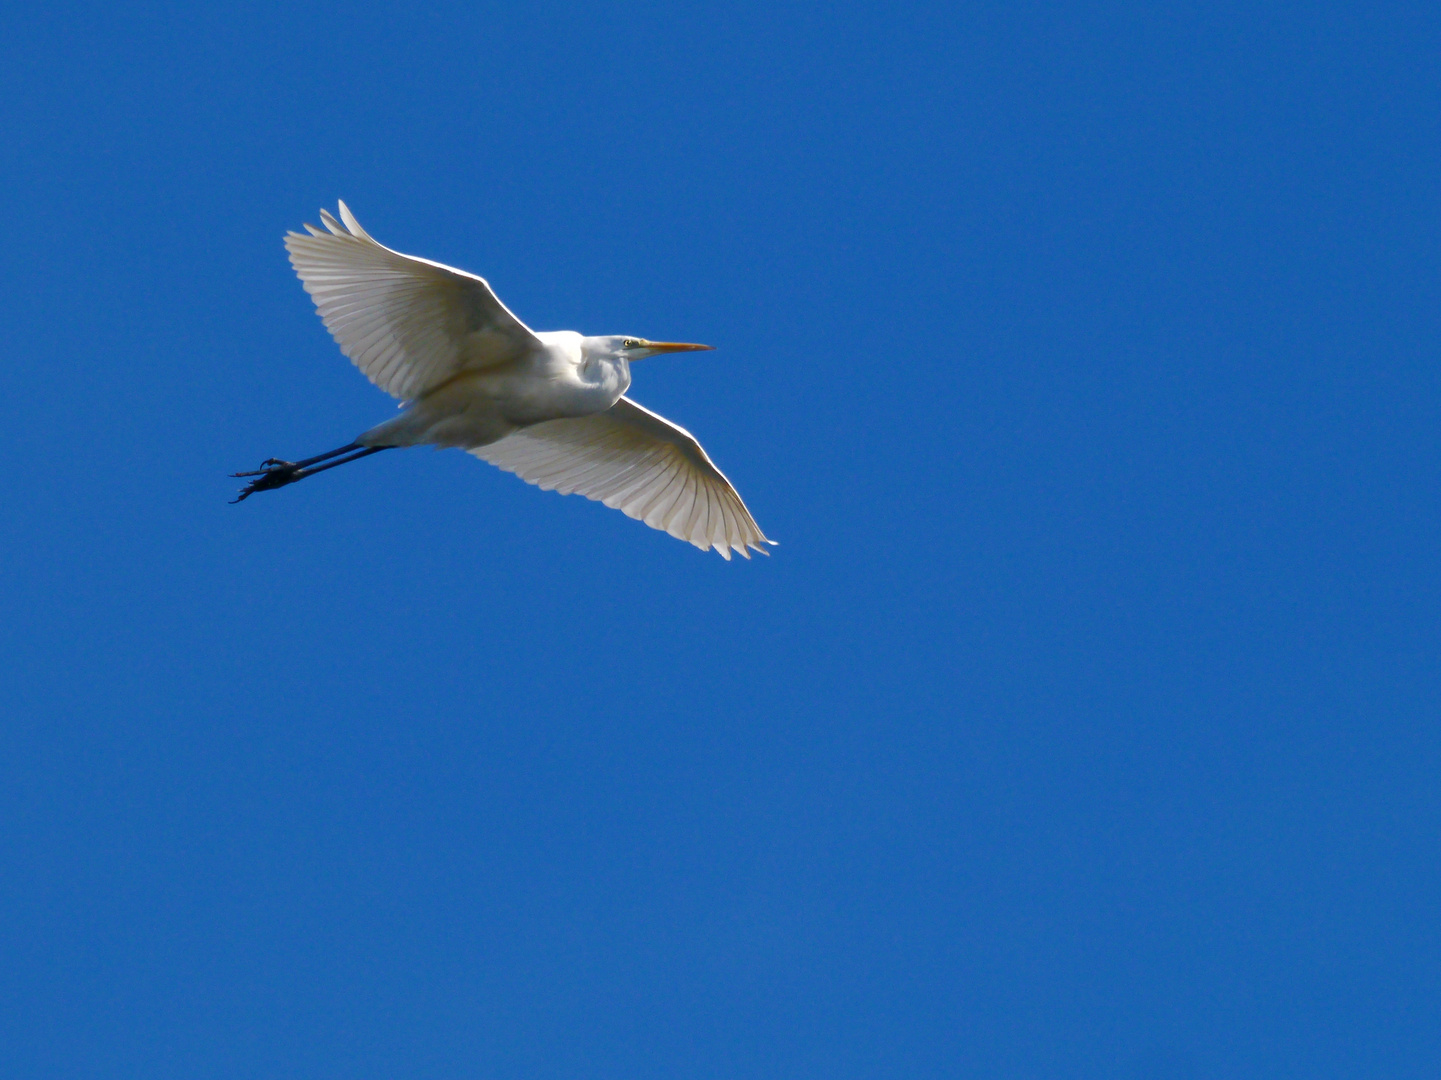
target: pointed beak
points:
(675, 346)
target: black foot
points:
(273, 473)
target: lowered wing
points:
(638, 463)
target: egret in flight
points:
(547, 406)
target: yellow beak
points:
(675, 346)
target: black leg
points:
(320, 457)
(275, 473)
(269, 462)
(365, 452)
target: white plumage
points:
(408, 323)
(547, 406)
(636, 462)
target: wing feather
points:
(408, 323)
(636, 462)
(675, 510)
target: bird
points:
(548, 406)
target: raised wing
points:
(638, 463)
(408, 323)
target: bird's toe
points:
(274, 474)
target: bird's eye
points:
(629, 343)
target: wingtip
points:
(350, 228)
(744, 549)
(350, 222)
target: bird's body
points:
(548, 406)
(479, 406)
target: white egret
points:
(546, 406)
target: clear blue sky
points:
(1081, 357)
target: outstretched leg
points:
(274, 473)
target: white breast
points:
(478, 407)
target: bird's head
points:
(619, 347)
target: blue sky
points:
(1082, 358)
